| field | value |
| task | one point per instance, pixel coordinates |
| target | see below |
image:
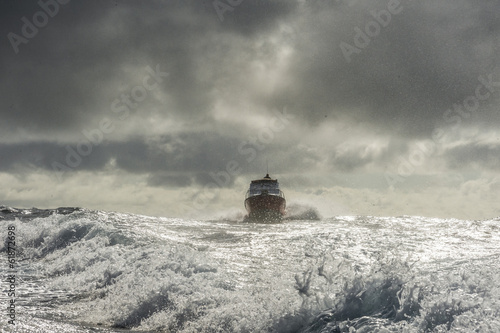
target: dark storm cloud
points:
(186, 152)
(193, 152)
(475, 155)
(169, 180)
(429, 56)
(204, 154)
(253, 17)
(65, 78)
(76, 64)
(55, 78)
(23, 157)
(169, 160)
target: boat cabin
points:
(265, 185)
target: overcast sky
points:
(170, 108)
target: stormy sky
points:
(170, 108)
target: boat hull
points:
(265, 207)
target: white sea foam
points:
(84, 270)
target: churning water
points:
(78, 270)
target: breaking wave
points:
(297, 211)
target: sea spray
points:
(81, 269)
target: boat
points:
(264, 200)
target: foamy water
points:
(93, 271)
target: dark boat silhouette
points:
(264, 200)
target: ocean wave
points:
(345, 274)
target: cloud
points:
(407, 76)
(474, 155)
(404, 79)
(29, 156)
(186, 152)
(353, 119)
(169, 180)
(90, 53)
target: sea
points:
(81, 270)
